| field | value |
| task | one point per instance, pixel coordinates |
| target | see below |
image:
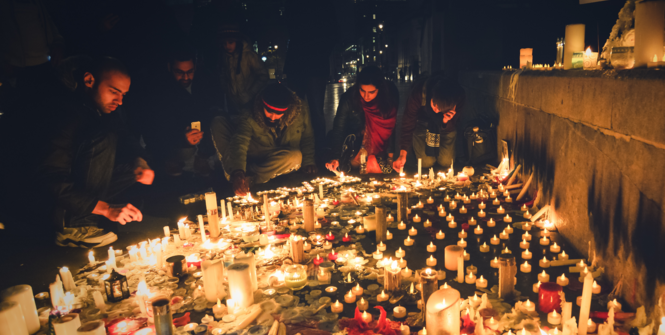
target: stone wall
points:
(596, 143)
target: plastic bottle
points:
(363, 160)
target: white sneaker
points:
(84, 237)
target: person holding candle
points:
(429, 122)
(367, 113)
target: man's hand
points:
(240, 185)
(144, 176)
(193, 136)
(310, 169)
(118, 213)
(398, 164)
(332, 165)
(448, 115)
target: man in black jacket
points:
(92, 157)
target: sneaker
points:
(84, 237)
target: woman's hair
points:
(372, 75)
(448, 93)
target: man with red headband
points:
(276, 139)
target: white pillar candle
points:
(12, 321)
(649, 27)
(443, 314)
(167, 231)
(213, 279)
(452, 253)
(23, 295)
(229, 206)
(112, 257)
(240, 285)
(250, 260)
(67, 279)
(213, 214)
(585, 307)
(460, 268)
(574, 42)
(67, 325)
(420, 167)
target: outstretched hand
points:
(332, 165)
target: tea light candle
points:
(452, 204)
(420, 204)
(462, 210)
(461, 243)
(377, 254)
(478, 230)
(563, 281)
(431, 261)
(363, 305)
(350, 298)
(509, 229)
(450, 217)
(427, 223)
(331, 289)
(526, 254)
(346, 238)
(555, 248)
(495, 240)
(452, 224)
(491, 223)
(595, 288)
(440, 235)
(401, 262)
(493, 195)
(529, 306)
(470, 278)
(337, 307)
(481, 214)
(327, 245)
(431, 247)
(526, 267)
(472, 221)
(484, 248)
(496, 202)
(400, 253)
(563, 256)
(482, 205)
(317, 260)
(494, 263)
(389, 235)
(466, 200)
(544, 263)
(591, 327)
(462, 234)
(554, 318)
(465, 255)
(390, 218)
(399, 312)
(381, 246)
(401, 225)
(442, 212)
(527, 226)
(492, 324)
(317, 225)
(506, 251)
(543, 277)
(447, 198)
(526, 236)
(500, 210)
(545, 232)
(408, 241)
(614, 304)
(406, 273)
(430, 200)
(357, 290)
(536, 287)
(416, 218)
(481, 282)
(507, 219)
(508, 199)
(330, 236)
(524, 208)
(544, 241)
(413, 231)
(333, 255)
(382, 297)
(524, 244)
(504, 235)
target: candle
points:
(482, 205)
(431, 261)
(350, 298)
(508, 199)
(526, 254)
(529, 306)
(447, 198)
(357, 290)
(452, 204)
(382, 297)
(536, 287)
(427, 223)
(461, 243)
(399, 312)
(555, 248)
(495, 240)
(611, 304)
(430, 200)
(496, 201)
(526, 267)
(493, 195)
(317, 260)
(406, 273)
(333, 255)
(12, 320)
(492, 324)
(526, 236)
(23, 296)
(377, 254)
(443, 313)
(440, 235)
(452, 253)
(413, 231)
(544, 263)
(431, 247)
(415, 219)
(401, 226)
(337, 307)
(470, 278)
(400, 253)
(366, 317)
(500, 210)
(408, 241)
(504, 235)
(524, 244)
(544, 241)
(460, 269)
(585, 307)
(494, 263)
(563, 281)
(450, 217)
(481, 214)
(466, 256)
(478, 230)
(219, 310)
(360, 229)
(362, 304)
(381, 246)
(595, 288)
(306, 246)
(390, 218)
(508, 219)
(452, 224)
(554, 318)
(462, 210)
(67, 280)
(69, 324)
(484, 248)
(442, 212)
(401, 263)
(462, 234)
(563, 256)
(591, 327)
(481, 282)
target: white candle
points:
(526, 267)
(462, 234)
(230, 210)
(67, 279)
(213, 279)
(431, 261)
(554, 318)
(406, 273)
(382, 297)
(462, 210)
(431, 247)
(500, 210)
(544, 263)
(357, 290)
(529, 306)
(389, 235)
(408, 241)
(400, 253)
(585, 307)
(526, 254)
(240, 285)
(555, 248)
(495, 240)
(420, 167)
(443, 313)
(401, 262)
(460, 269)
(478, 230)
(213, 214)
(595, 288)
(524, 244)
(401, 225)
(67, 325)
(413, 231)
(337, 307)
(563, 281)
(452, 224)
(536, 287)
(470, 278)
(563, 256)
(482, 205)
(591, 327)
(416, 219)
(350, 298)
(543, 277)
(440, 235)
(11, 319)
(366, 317)
(399, 312)
(481, 282)
(22, 295)
(461, 243)
(484, 248)
(649, 27)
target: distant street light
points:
(380, 25)
(264, 58)
(275, 46)
(386, 46)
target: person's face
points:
(271, 117)
(183, 72)
(436, 108)
(109, 91)
(229, 45)
(368, 92)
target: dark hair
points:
(372, 75)
(182, 54)
(448, 93)
(102, 65)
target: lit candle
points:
(447, 198)
(595, 288)
(544, 263)
(462, 210)
(462, 234)
(401, 226)
(544, 241)
(366, 317)
(482, 205)
(478, 230)
(496, 202)
(543, 277)
(484, 248)
(466, 256)
(614, 304)
(413, 231)
(536, 287)
(470, 279)
(360, 229)
(526, 236)
(526, 254)
(563, 281)
(377, 254)
(526, 267)
(337, 307)
(452, 204)
(524, 208)
(555, 248)
(491, 223)
(461, 243)
(431, 247)
(494, 263)
(357, 290)
(493, 195)
(526, 226)
(500, 210)
(382, 297)
(508, 199)
(400, 253)
(333, 255)
(507, 219)
(509, 229)
(317, 260)
(529, 306)
(554, 318)
(399, 312)
(363, 305)
(381, 246)
(481, 214)
(390, 218)
(91, 258)
(452, 224)
(440, 235)
(563, 256)
(389, 235)
(504, 235)
(408, 241)
(416, 219)
(591, 327)
(402, 263)
(431, 261)
(524, 244)
(481, 282)
(430, 200)
(350, 298)
(306, 246)
(495, 240)
(427, 223)
(492, 324)
(442, 212)
(406, 273)
(450, 217)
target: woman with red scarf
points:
(365, 117)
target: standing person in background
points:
(429, 124)
(242, 73)
(367, 110)
(312, 29)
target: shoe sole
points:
(89, 243)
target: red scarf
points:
(377, 128)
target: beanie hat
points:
(276, 98)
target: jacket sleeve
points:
(56, 169)
(339, 131)
(307, 145)
(240, 145)
(410, 117)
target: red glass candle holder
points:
(548, 297)
(330, 237)
(317, 260)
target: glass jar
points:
(295, 277)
